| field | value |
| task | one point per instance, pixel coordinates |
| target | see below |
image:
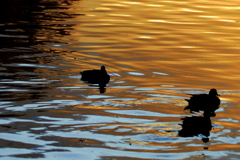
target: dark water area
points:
(157, 53)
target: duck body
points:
(204, 102)
(100, 77)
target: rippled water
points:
(156, 52)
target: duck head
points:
(213, 92)
(103, 70)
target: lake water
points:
(157, 54)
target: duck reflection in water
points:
(195, 126)
(204, 102)
(99, 77)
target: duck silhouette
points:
(195, 126)
(204, 102)
(95, 76)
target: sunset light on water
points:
(158, 54)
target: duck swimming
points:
(95, 76)
(204, 102)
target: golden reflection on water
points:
(181, 34)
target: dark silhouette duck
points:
(196, 126)
(204, 102)
(94, 76)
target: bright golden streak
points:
(209, 32)
(190, 10)
(182, 22)
(209, 16)
(154, 5)
(122, 15)
(231, 7)
(145, 37)
(173, 2)
(163, 21)
(225, 20)
(187, 47)
(112, 20)
(113, 4)
(155, 20)
(103, 8)
(132, 2)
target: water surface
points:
(157, 54)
